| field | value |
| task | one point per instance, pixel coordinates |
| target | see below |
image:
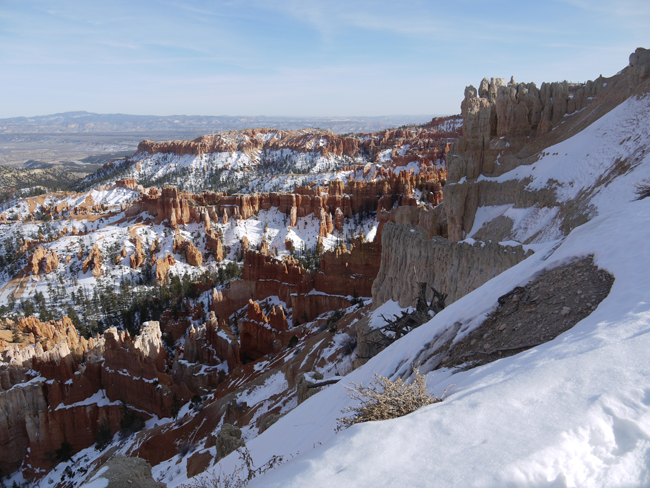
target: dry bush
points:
(235, 479)
(642, 190)
(386, 399)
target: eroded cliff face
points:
(426, 143)
(57, 386)
(506, 125)
(331, 203)
(409, 257)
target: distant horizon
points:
(292, 57)
(68, 112)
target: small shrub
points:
(335, 317)
(240, 477)
(131, 422)
(642, 190)
(293, 341)
(386, 399)
(349, 345)
(185, 449)
(103, 436)
(65, 452)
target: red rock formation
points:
(339, 219)
(133, 370)
(212, 344)
(162, 267)
(43, 260)
(347, 273)
(94, 260)
(343, 274)
(261, 334)
(128, 183)
(214, 244)
(138, 258)
(426, 142)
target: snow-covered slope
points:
(572, 412)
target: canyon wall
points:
(506, 125)
(409, 257)
(60, 387)
(344, 199)
(426, 143)
(342, 275)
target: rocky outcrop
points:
(227, 440)
(639, 69)
(331, 203)
(38, 415)
(349, 273)
(121, 471)
(94, 261)
(128, 183)
(506, 125)
(263, 333)
(188, 249)
(44, 261)
(214, 243)
(138, 257)
(133, 371)
(162, 267)
(305, 385)
(409, 257)
(212, 343)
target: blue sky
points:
(298, 58)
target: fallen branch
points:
(324, 383)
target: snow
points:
(604, 161)
(526, 222)
(521, 421)
(572, 412)
(100, 399)
(273, 385)
(97, 481)
(389, 310)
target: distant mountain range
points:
(86, 122)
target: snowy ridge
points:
(590, 168)
(572, 412)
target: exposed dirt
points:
(531, 315)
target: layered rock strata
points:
(39, 413)
(427, 143)
(506, 125)
(331, 203)
(342, 275)
(410, 257)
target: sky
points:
(298, 57)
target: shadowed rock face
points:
(409, 257)
(38, 416)
(525, 317)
